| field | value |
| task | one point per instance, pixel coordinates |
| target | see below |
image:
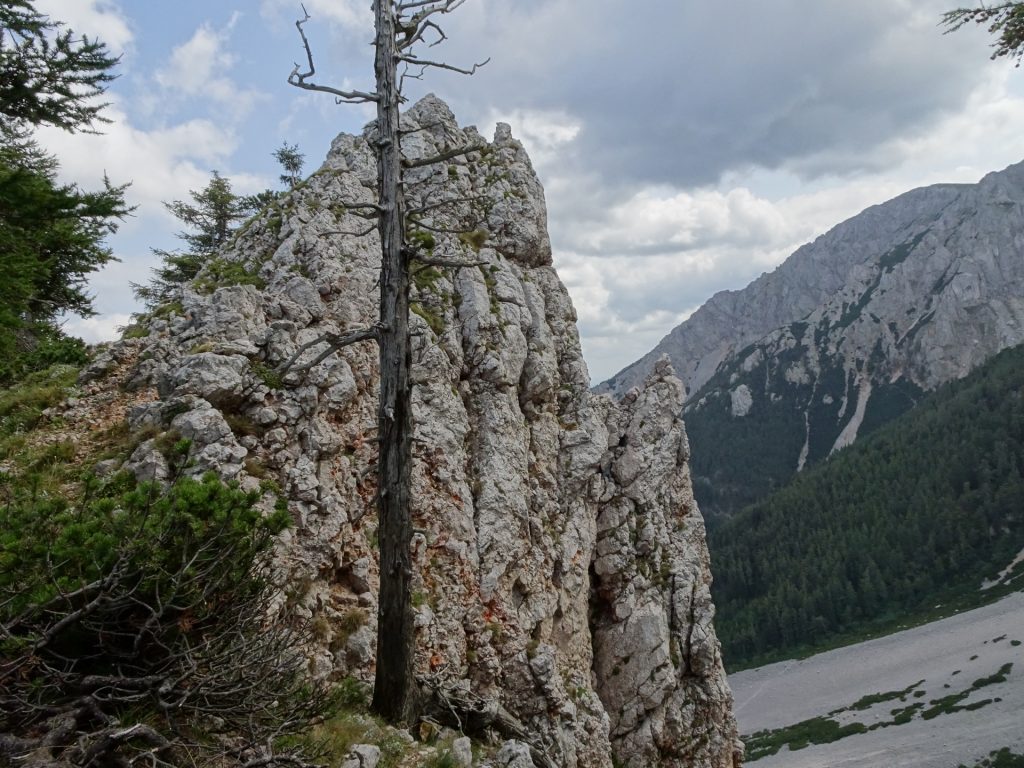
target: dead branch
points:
(426, 10)
(354, 208)
(441, 230)
(334, 341)
(112, 740)
(443, 203)
(440, 158)
(352, 232)
(420, 129)
(301, 79)
(428, 262)
(418, 62)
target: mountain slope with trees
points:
(847, 334)
(919, 513)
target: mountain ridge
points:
(732, 319)
(887, 305)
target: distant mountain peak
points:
(944, 222)
(846, 334)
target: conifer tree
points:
(1004, 20)
(291, 161)
(51, 234)
(209, 219)
(48, 76)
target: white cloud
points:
(198, 69)
(544, 134)
(161, 164)
(102, 19)
(93, 330)
(662, 220)
(353, 15)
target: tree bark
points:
(394, 695)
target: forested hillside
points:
(916, 514)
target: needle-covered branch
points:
(301, 79)
(177, 654)
(1004, 20)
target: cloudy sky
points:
(685, 146)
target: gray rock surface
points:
(363, 756)
(556, 535)
(462, 752)
(515, 754)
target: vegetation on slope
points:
(134, 618)
(739, 460)
(918, 513)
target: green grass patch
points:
(22, 406)
(866, 702)
(434, 320)
(817, 730)
(1002, 758)
(218, 273)
(476, 239)
(948, 705)
(267, 374)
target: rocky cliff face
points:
(847, 332)
(561, 569)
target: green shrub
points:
(219, 272)
(36, 348)
(476, 239)
(22, 406)
(135, 605)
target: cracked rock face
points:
(560, 564)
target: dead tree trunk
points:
(399, 26)
(394, 689)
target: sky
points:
(685, 146)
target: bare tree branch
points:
(440, 158)
(300, 79)
(353, 207)
(334, 341)
(353, 233)
(442, 203)
(427, 262)
(442, 230)
(410, 59)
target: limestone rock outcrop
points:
(560, 564)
